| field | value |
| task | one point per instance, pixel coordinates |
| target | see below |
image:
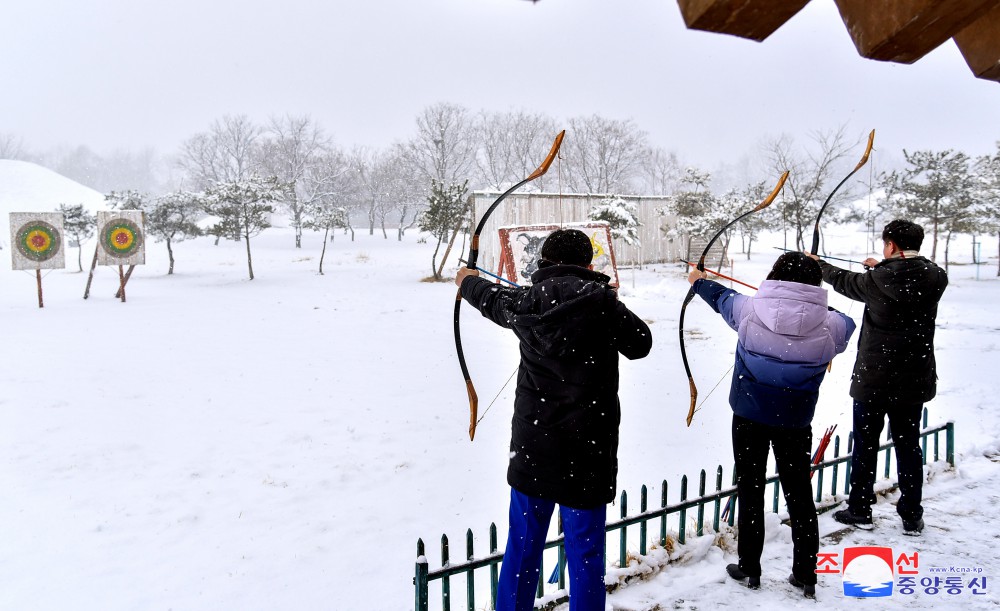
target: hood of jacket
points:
(790, 308)
(565, 306)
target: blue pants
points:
(519, 573)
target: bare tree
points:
(810, 174)
(604, 154)
(12, 147)
(385, 181)
(442, 148)
(290, 146)
(660, 172)
(330, 190)
(227, 152)
(509, 144)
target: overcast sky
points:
(126, 74)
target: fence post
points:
(701, 505)
(774, 504)
(470, 582)
(642, 525)
(732, 501)
(847, 471)
(924, 439)
(446, 580)
(683, 515)
(718, 501)
(494, 573)
(888, 451)
(561, 555)
(420, 579)
(819, 484)
(949, 439)
(621, 532)
(663, 518)
(836, 466)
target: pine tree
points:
(938, 188)
(244, 207)
(444, 217)
(323, 218)
(171, 219)
(79, 225)
(621, 216)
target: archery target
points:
(37, 240)
(120, 238)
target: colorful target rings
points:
(38, 241)
(121, 238)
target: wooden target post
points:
(120, 242)
(37, 239)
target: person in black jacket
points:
(894, 374)
(564, 432)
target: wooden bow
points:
(471, 264)
(691, 293)
(864, 160)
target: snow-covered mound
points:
(28, 187)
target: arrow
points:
(491, 274)
(712, 271)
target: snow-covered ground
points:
(216, 443)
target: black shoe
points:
(913, 527)
(734, 571)
(808, 589)
(844, 516)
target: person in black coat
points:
(564, 432)
(894, 374)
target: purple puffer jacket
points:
(787, 335)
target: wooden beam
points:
(903, 31)
(980, 45)
(753, 19)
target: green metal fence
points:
(466, 569)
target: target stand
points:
(120, 241)
(37, 240)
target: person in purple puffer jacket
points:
(787, 336)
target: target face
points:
(120, 236)
(37, 240)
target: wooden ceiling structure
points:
(900, 31)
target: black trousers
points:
(904, 426)
(792, 454)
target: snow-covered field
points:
(216, 443)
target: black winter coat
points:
(896, 346)
(571, 327)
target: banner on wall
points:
(37, 240)
(120, 238)
(521, 248)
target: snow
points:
(216, 443)
(27, 187)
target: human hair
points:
(906, 235)
(569, 247)
(796, 267)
